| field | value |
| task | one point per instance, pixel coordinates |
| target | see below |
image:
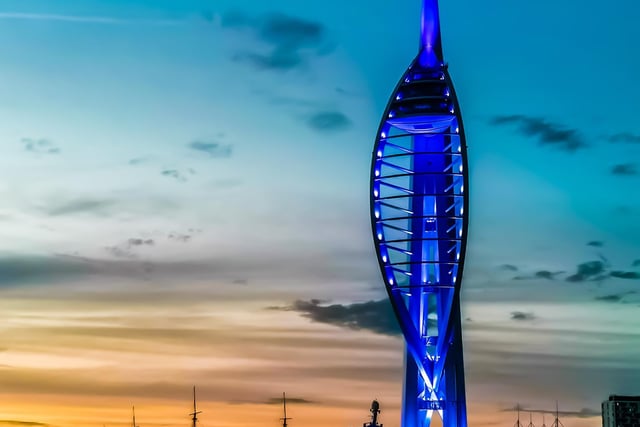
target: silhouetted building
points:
(621, 411)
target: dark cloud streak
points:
(625, 169)
(582, 413)
(100, 207)
(548, 133)
(591, 270)
(39, 146)
(374, 316)
(23, 423)
(522, 316)
(625, 138)
(291, 40)
(212, 148)
(329, 121)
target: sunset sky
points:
(184, 191)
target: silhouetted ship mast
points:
(375, 410)
(518, 423)
(557, 422)
(531, 420)
(284, 410)
(194, 414)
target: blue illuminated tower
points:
(419, 216)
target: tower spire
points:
(430, 40)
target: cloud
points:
(625, 138)
(120, 252)
(592, 270)
(374, 316)
(95, 206)
(329, 121)
(27, 269)
(582, 413)
(123, 204)
(636, 263)
(175, 174)
(632, 275)
(126, 249)
(548, 275)
(625, 169)
(596, 244)
(23, 423)
(548, 133)
(508, 267)
(183, 238)
(291, 40)
(32, 269)
(138, 160)
(610, 298)
(211, 148)
(79, 19)
(520, 316)
(298, 400)
(540, 274)
(140, 242)
(39, 146)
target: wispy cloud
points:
(625, 138)
(625, 169)
(291, 40)
(329, 121)
(591, 270)
(39, 146)
(629, 275)
(94, 206)
(610, 298)
(126, 249)
(80, 19)
(58, 205)
(23, 423)
(521, 316)
(582, 413)
(278, 401)
(548, 133)
(211, 148)
(375, 316)
(177, 174)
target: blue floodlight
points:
(419, 216)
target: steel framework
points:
(419, 216)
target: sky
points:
(184, 191)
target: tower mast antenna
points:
(194, 414)
(284, 408)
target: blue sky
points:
(174, 172)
